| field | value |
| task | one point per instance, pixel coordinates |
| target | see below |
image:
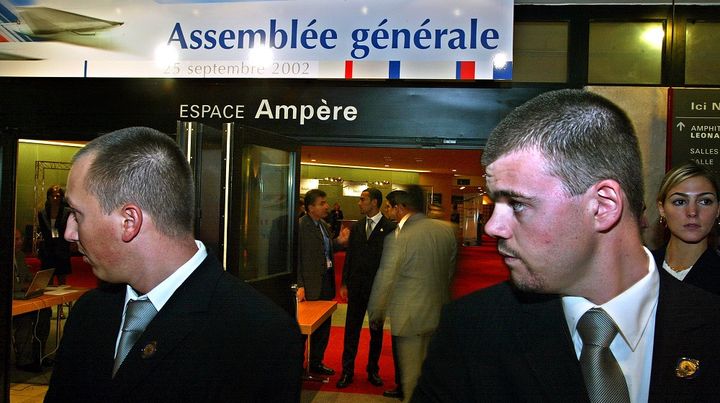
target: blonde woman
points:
(689, 209)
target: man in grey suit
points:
(413, 282)
(316, 268)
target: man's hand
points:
(343, 293)
(342, 239)
(301, 294)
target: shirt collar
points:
(402, 221)
(163, 291)
(631, 310)
(375, 219)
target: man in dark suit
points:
(316, 269)
(362, 259)
(413, 283)
(565, 173)
(202, 335)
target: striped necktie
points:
(604, 379)
(137, 316)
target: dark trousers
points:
(358, 298)
(321, 336)
(31, 334)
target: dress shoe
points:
(344, 381)
(374, 379)
(322, 369)
(394, 394)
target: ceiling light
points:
(387, 167)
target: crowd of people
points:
(589, 312)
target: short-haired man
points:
(316, 268)
(365, 247)
(210, 337)
(588, 318)
(412, 283)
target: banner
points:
(331, 39)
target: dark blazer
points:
(363, 254)
(311, 256)
(215, 340)
(500, 344)
(705, 273)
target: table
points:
(310, 315)
(71, 294)
(46, 301)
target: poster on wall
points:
(369, 39)
(695, 127)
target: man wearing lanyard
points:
(170, 324)
(316, 274)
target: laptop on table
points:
(37, 286)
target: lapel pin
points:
(149, 350)
(687, 368)
(382, 229)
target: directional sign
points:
(696, 127)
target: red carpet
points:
(333, 359)
(477, 267)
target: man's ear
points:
(609, 204)
(132, 220)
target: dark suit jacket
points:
(363, 254)
(311, 256)
(705, 273)
(499, 344)
(216, 339)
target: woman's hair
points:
(682, 173)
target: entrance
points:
(246, 186)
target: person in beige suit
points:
(413, 282)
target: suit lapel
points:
(680, 324)
(181, 315)
(544, 336)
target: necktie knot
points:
(597, 328)
(138, 315)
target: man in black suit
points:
(204, 335)
(316, 268)
(362, 260)
(565, 173)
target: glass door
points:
(247, 180)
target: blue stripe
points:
(394, 69)
(6, 15)
(85, 70)
(504, 73)
(458, 70)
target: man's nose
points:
(71, 230)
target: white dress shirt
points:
(163, 291)
(634, 313)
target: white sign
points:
(399, 39)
